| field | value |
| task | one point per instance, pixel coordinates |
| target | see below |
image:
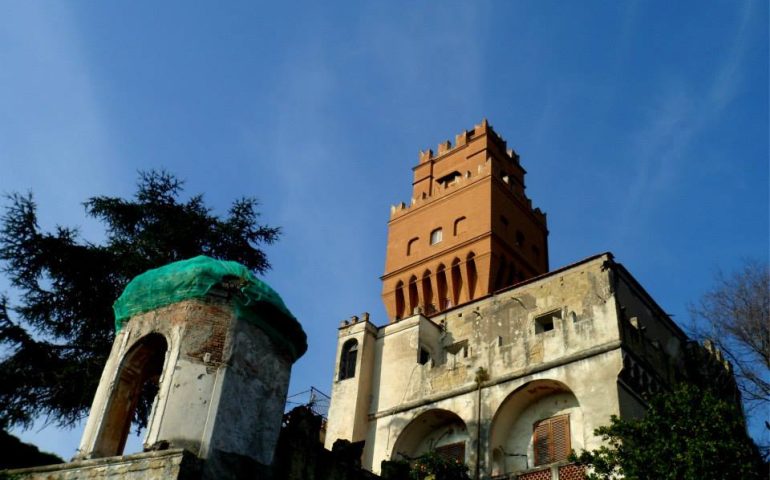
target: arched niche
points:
(140, 371)
(433, 430)
(534, 405)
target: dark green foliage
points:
(686, 434)
(16, 454)
(55, 341)
(436, 467)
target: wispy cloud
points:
(676, 118)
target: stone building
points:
(488, 356)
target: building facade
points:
(488, 357)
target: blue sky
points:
(643, 127)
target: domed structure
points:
(217, 344)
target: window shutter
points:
(453, 451)
(541, 442)
(560, 438)
(551, 440)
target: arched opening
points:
(472, 275)
(414, 298)
(436, 430)
(436, 236)
(348, 359)
(410, 246)
(427, 293)
(459, 226)
(138, 378)
(457, 281)
(441, 287)
(535, 425)
(399, 300)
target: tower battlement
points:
(468, 230)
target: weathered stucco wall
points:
(529, 372)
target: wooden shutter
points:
(453, 451)
(551, 440)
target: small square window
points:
(547, 322)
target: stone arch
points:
(141, 367)
(512, 428)
(433, 430)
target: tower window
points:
(410, 246)
(348, 359)
(436, 236)
(546, 323)
(459, 226)
(519, 238)
(551, 440)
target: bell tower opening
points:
(480, 223)
(137, 381)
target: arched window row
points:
(437, 289)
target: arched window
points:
(137, 381)
(414, 298)
(472, 275)
(551, 440)
(441, 286)
(457, 281)
(427, 293)
(348, 359)
(399, 300)
(436, 236)
(459, 226)
(410, 246)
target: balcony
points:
(557, 471)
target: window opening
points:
(410, 246)
(137, 382)
(472, 276)
(448, 179)
(348, 359)
(436, 236)
(519, 238)
(413, 297)
(546, 322)
(441, 285)
(457, 281)
(453, 452)
(427, 293)
(459, 226)
(399, 300)
(504, 221)
(551, 440)
(424, 357)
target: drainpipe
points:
(481, 377)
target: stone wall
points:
(163, 465)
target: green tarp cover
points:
(194, 278)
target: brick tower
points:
(470, 228)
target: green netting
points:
(194, 278)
